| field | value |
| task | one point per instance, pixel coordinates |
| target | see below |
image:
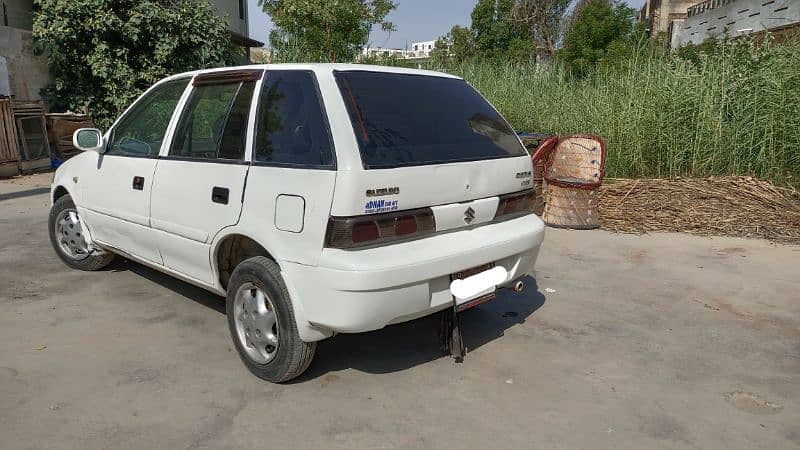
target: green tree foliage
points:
(492, 25)
(544, 20)
(459, 44)
(324, 30)
(514, 30)
(595, 27)
(104, 53)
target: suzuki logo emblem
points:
(469, 215)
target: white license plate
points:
(477, 285)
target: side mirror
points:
(88, 140)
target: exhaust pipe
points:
(519, 286)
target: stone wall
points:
(22, 74)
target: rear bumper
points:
(361, 290)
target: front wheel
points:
(66, 235)
(262, 324)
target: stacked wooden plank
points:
(8, 133)
(9, 155)
(31, 127)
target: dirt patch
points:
(638, 256)
(731, 251)
(752, 403)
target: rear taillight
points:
(516, 204)
(359, 231)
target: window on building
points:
(241, 9)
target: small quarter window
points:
(214, 122)
(292, 130)
(141, 131)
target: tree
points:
(594, 29)
(493, 29)
(458, 44)
(103, 54)
(509, 29)
(544, 20)
(324, 30)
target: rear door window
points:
(291, 129)
(409, 120)
(214, 122)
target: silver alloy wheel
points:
(256, 323)
(69, 235)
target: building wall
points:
(235, 11)
(17, 13)
(421, 49)
(22, 74)
(739, 17)
(659, 14)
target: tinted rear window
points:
(409, 120)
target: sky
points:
(415, 20)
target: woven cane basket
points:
(573, 170)
(571, 208)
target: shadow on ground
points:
(405, 345)
(394, 348)
(190, 291)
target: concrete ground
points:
(624, 342)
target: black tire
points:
(91, 261)
(293, 355)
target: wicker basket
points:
(571, 208)
(573, 170)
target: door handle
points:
(220, 195)
(138, 183)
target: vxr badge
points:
(469, 215)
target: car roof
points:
(318, 67)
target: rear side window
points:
(141, 130)
(214, 122)
(291, 129)
(409, 120)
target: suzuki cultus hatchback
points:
(318, 198)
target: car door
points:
(291, 181)
(116, 191)
(198, 183)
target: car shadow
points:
(208, 299)
(409, 344)
(391, 349)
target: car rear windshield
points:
(409, 120)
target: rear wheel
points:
(262, 324)
(66, 235)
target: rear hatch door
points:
(427, 141)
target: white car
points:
(318, 198)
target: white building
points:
(715, 18)
(382, 52)
(420, 49)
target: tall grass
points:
(735, 111)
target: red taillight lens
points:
(358, 231)
(516, 204)
(365, 232)
(405, 225)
